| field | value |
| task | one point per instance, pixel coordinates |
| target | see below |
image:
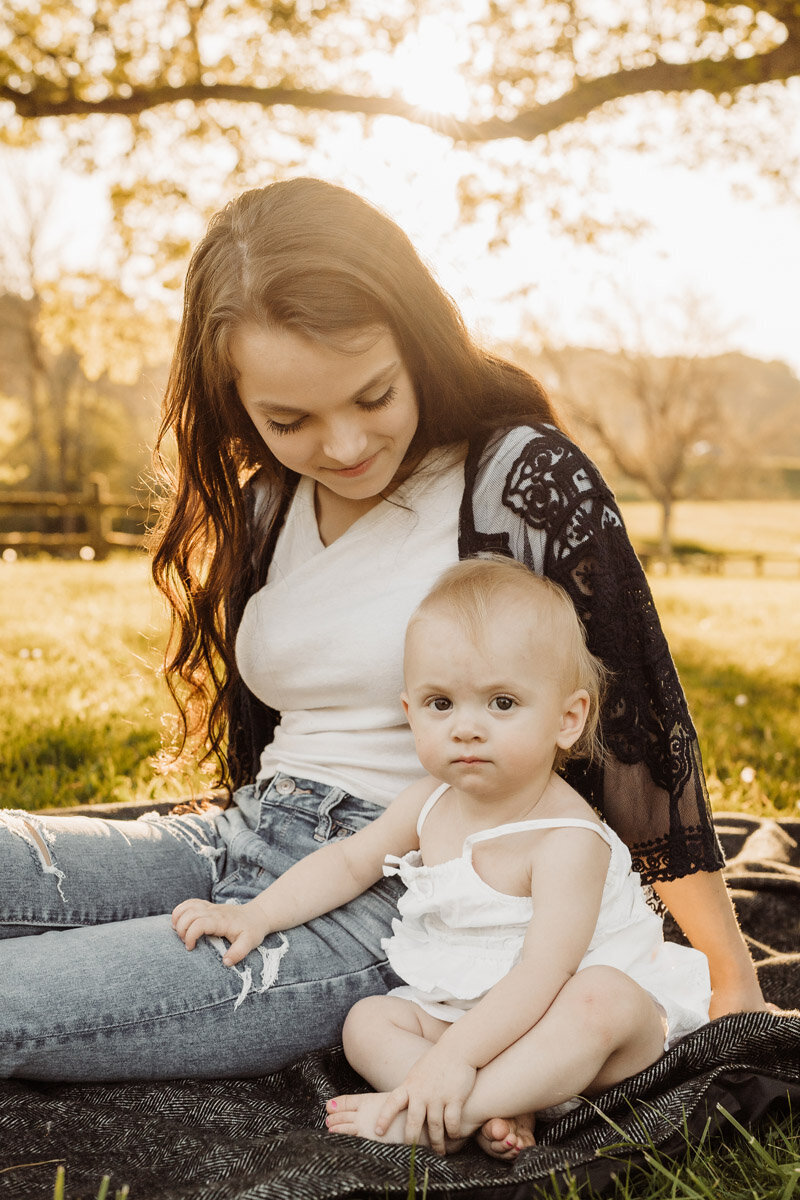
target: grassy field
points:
(83, 709)
(751, 526)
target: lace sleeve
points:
(565, 523)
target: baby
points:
(534, 970)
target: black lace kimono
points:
(531, 494)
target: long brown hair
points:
(316, 259)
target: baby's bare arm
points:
(316, 884)
(568, 874)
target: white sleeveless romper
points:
(457, 936)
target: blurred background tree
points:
(699, 423)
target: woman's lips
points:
(358, 469)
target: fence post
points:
(98, 518)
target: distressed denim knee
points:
(61, 872)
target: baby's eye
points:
(502, 703)
(440, 704)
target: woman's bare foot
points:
(504, 1137)
(357, 1115)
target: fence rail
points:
(723, 562)
(95, 509)
(85, 519)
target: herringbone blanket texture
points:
(264, 1139)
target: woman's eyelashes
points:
(277, 427)
(365, 406)
(382, 401)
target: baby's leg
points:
(383, 1037)
(601, 1028)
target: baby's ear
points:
(573, 719)
(404, 702)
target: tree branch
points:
(715, 76)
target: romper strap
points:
(484, 835)
(428, 805)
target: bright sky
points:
(740, 255)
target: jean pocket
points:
(241, 885)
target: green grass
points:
(729, 1164)
(737, 646)
(82, 709)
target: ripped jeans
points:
(94, 982)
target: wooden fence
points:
(86, 529)
(723, 562)
(85, 521)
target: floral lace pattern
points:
(651, 788)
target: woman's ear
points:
(573, 719)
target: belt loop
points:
(324, 822)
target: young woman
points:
(339, 440)
(522, 986)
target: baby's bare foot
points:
(504, 1137)
(358, 1114)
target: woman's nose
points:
(345, 442)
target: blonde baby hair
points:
(470, 592)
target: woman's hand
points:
(244, 925)
(433, 1095)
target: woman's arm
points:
(316, 884)
(702, 906)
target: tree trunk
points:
(665, 539)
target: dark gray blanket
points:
(264, 1138)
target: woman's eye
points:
(440, 704)
(382, 401)
(502, 703)
(276, 427)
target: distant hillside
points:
(757, 451)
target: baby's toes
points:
(497, 1129)
(340, 1104)
(342, 1123)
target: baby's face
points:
(485, 715)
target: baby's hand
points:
(244, 926)
(433, 1094)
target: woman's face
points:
(345, 418)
